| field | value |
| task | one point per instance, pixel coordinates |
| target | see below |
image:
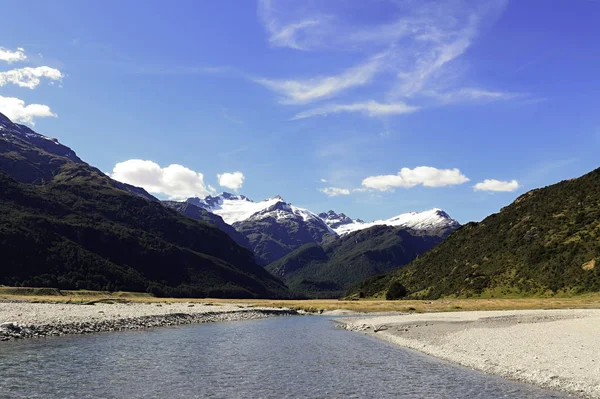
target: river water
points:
(282, 357)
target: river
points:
(281, 357)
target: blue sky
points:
(372, 108)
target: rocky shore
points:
(34, 320)
(556, 349)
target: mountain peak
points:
(335, 220)
(4, 121)
(231, 196)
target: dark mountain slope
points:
(79, 231)
(32, 158)
(194, 212)
(546, 242)
(331, 268)
(276, 231)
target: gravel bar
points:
(35, 320)
(556, 349)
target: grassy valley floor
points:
(588, 301)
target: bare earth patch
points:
(589, 265)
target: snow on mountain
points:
(233, 208)
(335, 220)
(237, 208)
(428, 221)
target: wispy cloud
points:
(309, 90)
(411, 60)
(29, 77)
(473, 94)
(16, 110)
(370, 108)
(167, 70)
(293, 33)
(12, 56)
(230, 118)
(285, 36)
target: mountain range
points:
(91, 233)
(547, 242)
(65, 224)
(275, 228)
(272, 227)
(320, 255)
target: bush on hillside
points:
(396, 291)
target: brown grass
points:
(590, 301)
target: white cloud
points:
(323, 180)
(370, 108)
(309, 90)
(16, 110)
(174, 181)
(12, 56)
(422, 175)
(496, 185)
(233, 181)
(29, 77)
(334, 191)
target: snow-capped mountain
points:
(432, 222)
(233, 208)
(335, 220)
(273, 227)
(238, 208)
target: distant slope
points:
(547, 241)
(197, 213)
(280, 229)
(331, 268)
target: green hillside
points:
(80, 231)
(329, 269)
(546, 242)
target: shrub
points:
(396, 291)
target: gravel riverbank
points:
(557, 349)
(31, 320)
